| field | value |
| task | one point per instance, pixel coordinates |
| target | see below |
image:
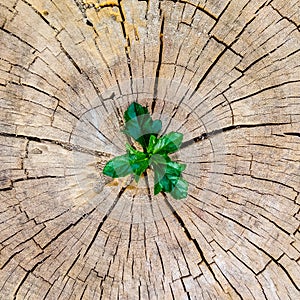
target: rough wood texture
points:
(224, 73)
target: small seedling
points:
(167, 173)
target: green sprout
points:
(167, 173)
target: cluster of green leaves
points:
(167, 173)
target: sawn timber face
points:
(225, 74)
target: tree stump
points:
(224, 73)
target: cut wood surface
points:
(224, 73)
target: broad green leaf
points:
(156, 126)
(152, 141)
(177, 186)
(131, 150)
(163, 164)
(157, 177)
(180, 189)
(138, 164)
(157, 188)
(141, 128)
(139, 124)
(134, 162)
(168, 143)
(138, 160)
(168, 183)
(136, 178)
(118, 167)
(159, 161)
(167, 173)
(161, 182)
(174, 168)
(134, 110)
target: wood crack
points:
(207, 135)
(160, 53)
(73, 224)
(126, 37)
(67, 146)
(200, 8)
(26, 276)
(195, 242)
(285, 18)
(104, 219)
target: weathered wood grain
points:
(224, 73)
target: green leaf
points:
(139, 124)
(169, 143)
(138, 164)
(157, 188)
(152, 141)
(174, 168)
(159, 164)
(118, 167)
(138, 160)
(131, 150)
(168, 183)
(134, 161)
(163, 164)
(167, 173)
(180, 189)
(156, 126)
(136, 178)
(134, 110)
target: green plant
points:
(167, 173)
